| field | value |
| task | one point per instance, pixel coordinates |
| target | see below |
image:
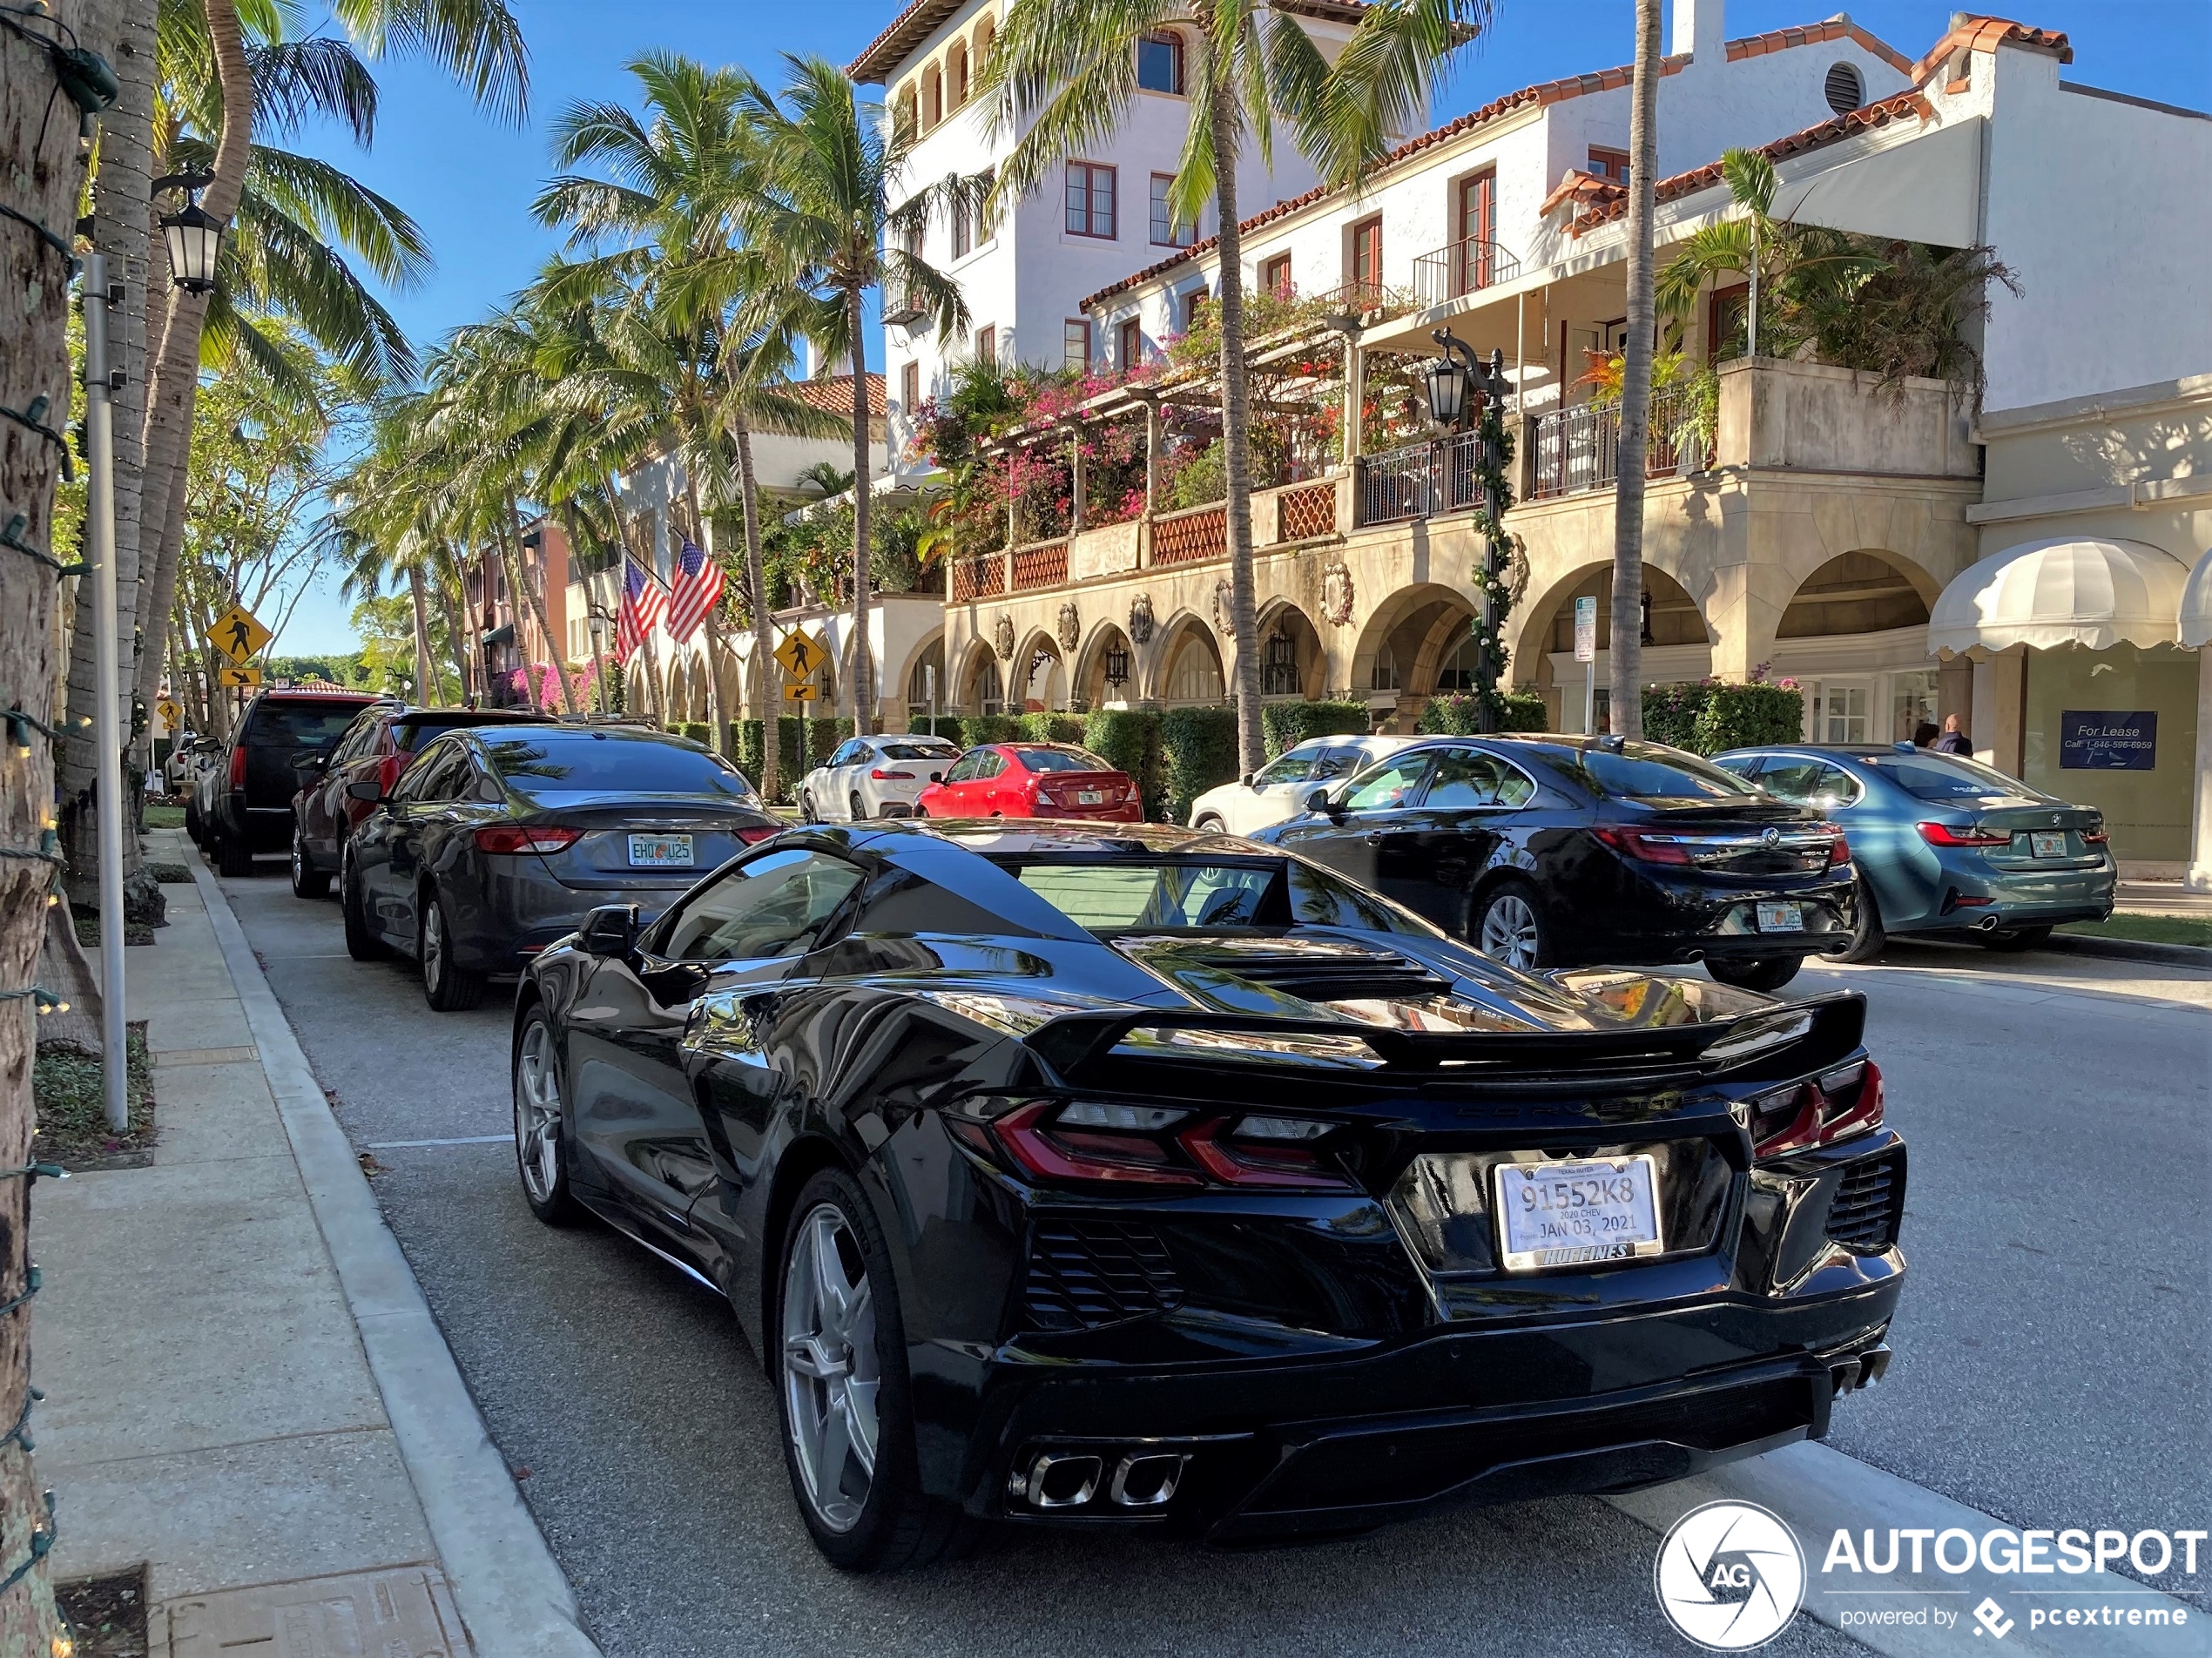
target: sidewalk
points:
(245, 1392)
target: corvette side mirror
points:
(611, 930)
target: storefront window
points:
(1912, 700)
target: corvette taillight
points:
(1086, 1142)
(1830, 1106)
(1942, 834)
(526, 837)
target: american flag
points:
(692, 590)
(645, 606)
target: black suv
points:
(243, 805)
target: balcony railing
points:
(1307, 512)
(1462, 268)
(901, 306)
(1191, 537)
(979, 577)
(1042, 565)
(1577, 449)
(1421, 480)
(1354, 298)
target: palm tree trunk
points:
(444, 583)
(535, 596)
(1626, 647)
(1236, 435)
(175, 387)
(863, 658)
(426, 684)
(764, 640)
(39, 159)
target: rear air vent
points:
(1864, 1215)
(1087, 1272)
(1845, 91)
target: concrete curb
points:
(511, 1592)
(2172, 955)
(1818, 1491)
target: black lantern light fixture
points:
(1448, 390)
(1117, 666)
(1279, 666)
(194, 235)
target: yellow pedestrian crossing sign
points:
(237, 677)
(170, 712)
(800, 656)
(239, 635)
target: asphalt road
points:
(2053, 1346)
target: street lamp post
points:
(597, 619)
(107, 713)
(1449, 376)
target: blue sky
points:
(470, 181)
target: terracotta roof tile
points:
(909, 30)
(1537, 97)
(1972, 33)
(1584, 190)
(835, 394)
(1833, 129)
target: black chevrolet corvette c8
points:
(1093, 1174)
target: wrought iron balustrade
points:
(1461, 268)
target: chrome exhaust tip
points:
(1874, 1363)
(1062, 1481)
(1147, 1479)
(1987, 924)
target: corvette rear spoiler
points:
(1781, 1044)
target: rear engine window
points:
(297, 725)
(1061, 759)
(1647, 772)
(545, 763)
(1929, 776)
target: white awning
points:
(2196, 606)
(2069, 590)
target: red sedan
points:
(1032, 780)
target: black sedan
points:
(495, 843)
(1548, 851)
(1075, 1173)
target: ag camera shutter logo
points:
(1729, 1576)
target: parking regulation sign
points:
(1586, 629)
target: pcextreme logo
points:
(1729, 1576)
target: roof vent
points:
(1845, 91)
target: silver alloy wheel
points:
(537, 1113)
(830, 1372)
(299, 860)
(1509, 931)
(433, 946)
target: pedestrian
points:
(1954, 740)
(1924, 734)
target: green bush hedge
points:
(1710, 718)
(1051, 728)
(1287, 725)
(1198, 752)
(1129, 740)
(1456, 714)
(822, 737)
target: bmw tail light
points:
(1817, 1112)
(881, 776)
(2096, 837)
(755, 834)
(1942, 834)
(526, 837)
(1649, 848)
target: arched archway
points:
(1037, 677)
(982, 681)
(1188, 673)
(1294, 662)
(925, 687)
(1854, 636)
(1677, 642)
(1106, 649)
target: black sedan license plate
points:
(1781, 918)
(660, 852)
(1573, 1213)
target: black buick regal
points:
(1096, 1175)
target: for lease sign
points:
(2092, 739)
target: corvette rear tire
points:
(1770, 974)
(838, 1356)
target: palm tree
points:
(1626, 661)
(827, 231)
(1066, 68)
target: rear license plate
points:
(1571, 1214)
(1091, 796)
(2048, 844)
(660, 852)
(1781, 918)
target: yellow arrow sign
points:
(239, 635)
(237, 677)
(801, 693)
(800, 656)
(170, 712)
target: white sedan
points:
(1280, 789)
(873, 777)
